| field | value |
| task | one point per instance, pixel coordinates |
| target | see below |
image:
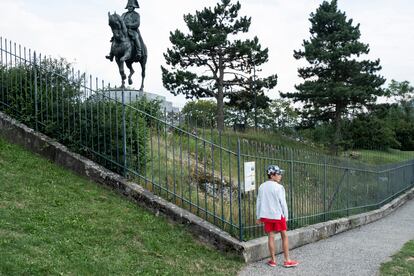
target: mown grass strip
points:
(54, 222)
(402, 263)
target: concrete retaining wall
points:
(250, 251)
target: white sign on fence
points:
(249, 176)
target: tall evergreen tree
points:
(338, 80)
(209, 61)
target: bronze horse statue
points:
(124, 51)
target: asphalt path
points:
(356, 252)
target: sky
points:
(78, 31)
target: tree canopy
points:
(337, 81)
(209, 61)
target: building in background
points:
(134, 95)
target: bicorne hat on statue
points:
(132, 3)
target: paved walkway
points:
(356, 252)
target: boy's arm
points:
(282, 200)
(258, 203)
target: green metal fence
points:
(194, 166)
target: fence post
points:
(324, 187)
(412, 174)
(291, 185)
(239, 192)
(124, 134)
(378, 178)
(388, 185)
(348, 194)
(35, 88)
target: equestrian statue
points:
(127, 44)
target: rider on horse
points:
(132, 21)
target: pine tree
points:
(338, 80)
(209, 61)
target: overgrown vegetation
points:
(52, 99)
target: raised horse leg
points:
(121, 70)
(131, 71)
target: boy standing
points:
(271, 209)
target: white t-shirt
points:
(271, 201)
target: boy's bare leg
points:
(271, 244)
(285, 244)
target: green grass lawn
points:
(402, 263)
(54, 222)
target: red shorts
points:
(274, 225)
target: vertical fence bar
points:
(239, 190)
(98, 117)
(124, 145)
(324, 187)
(9, 66)
(388, 184)
(189, 166)
(116, 134)
(58, 91)
(35, 88)
(6, 65)
(291, 209)
(16, 84)
(172, 130)
(231, 185)
(212, 176)
(205, 167)
(348, 190)
(91, 107)
(130, 160)
(105, 101)
(2, 72)
(165, 134)
(42, 92)
(159, 157)
(181, 163)
(221, 179)
(196, 168)
(152, 153)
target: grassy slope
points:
(402, 263)
(381, 157)
(373, 157)
(54, 222)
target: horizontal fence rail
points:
(190, 164)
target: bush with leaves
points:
(200, 113)
(50, 98)
(367, 131)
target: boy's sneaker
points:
(290, 264)
(271, 263)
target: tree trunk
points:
(220, 105)
(220, 97)
(337, 135)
